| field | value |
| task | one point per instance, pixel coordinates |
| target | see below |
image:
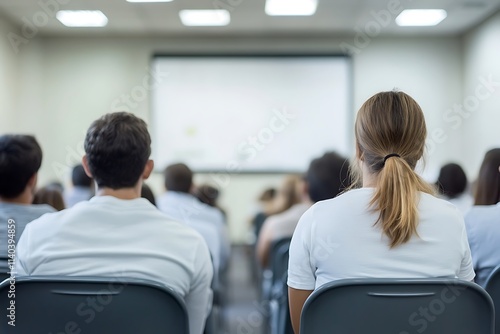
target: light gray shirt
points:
(483, 230)
(207, 220)
(21, 214)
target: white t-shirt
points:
(337, 239)
(110, 237)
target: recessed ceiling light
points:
(291, 7)
(146, 1)
(420, 17)
(82, 18)
(205, 18)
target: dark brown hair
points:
(118, 147)
(488, 183)
(178, 177)
(20, 159)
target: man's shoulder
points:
(25, 213)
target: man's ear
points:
(148, 169)
(32, 182)
(85, 164)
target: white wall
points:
(8, 79)
(482, 122)
(75, 80)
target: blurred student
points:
(391, 227)
(209, 195)
(264, 209)
(326, 178)
(116, 233)
(180, 205)
(49, 195)
(20, 160)
(147, 193)
(288, 194)
(483, 219)
(452, 184)
(82, 189)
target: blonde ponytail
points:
(396, 199)
(390, 135)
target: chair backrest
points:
(90, 305)
(279, 259)
(430, 306)
(4, 269)
(492, 286)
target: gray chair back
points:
(4, 269)
(492, 286)
(90, 305)
(279, 259)
(367, 306)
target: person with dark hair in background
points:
(50, 195)
(179, 204)
(209, 195)
(116, 233)
(148, 194)
(82, 189)
(20, 160)
(265, 208)
(326, 177)
(391, 227)
(483, 219)
(452, 184)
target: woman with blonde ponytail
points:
(393, 226)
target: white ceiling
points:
(248, 17)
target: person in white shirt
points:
(452, 184)
(393, 227)
(483, 219)
(20, 160)
(180, 205)
(118, 234)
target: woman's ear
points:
(359, 153)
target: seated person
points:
(263, 209)
(209, 195)
(117, 233)
(49, 195)
(452, 184)
(20, 160)
(325, 179)
(179, 204)
(483, 219)
(82, 189)
(392, 227)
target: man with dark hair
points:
(178, 177)
(82, 187)
(326, 177)
(116, 233)
(20, 160)
(179, 204)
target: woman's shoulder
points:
(355, 200)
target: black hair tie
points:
(391, 156)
